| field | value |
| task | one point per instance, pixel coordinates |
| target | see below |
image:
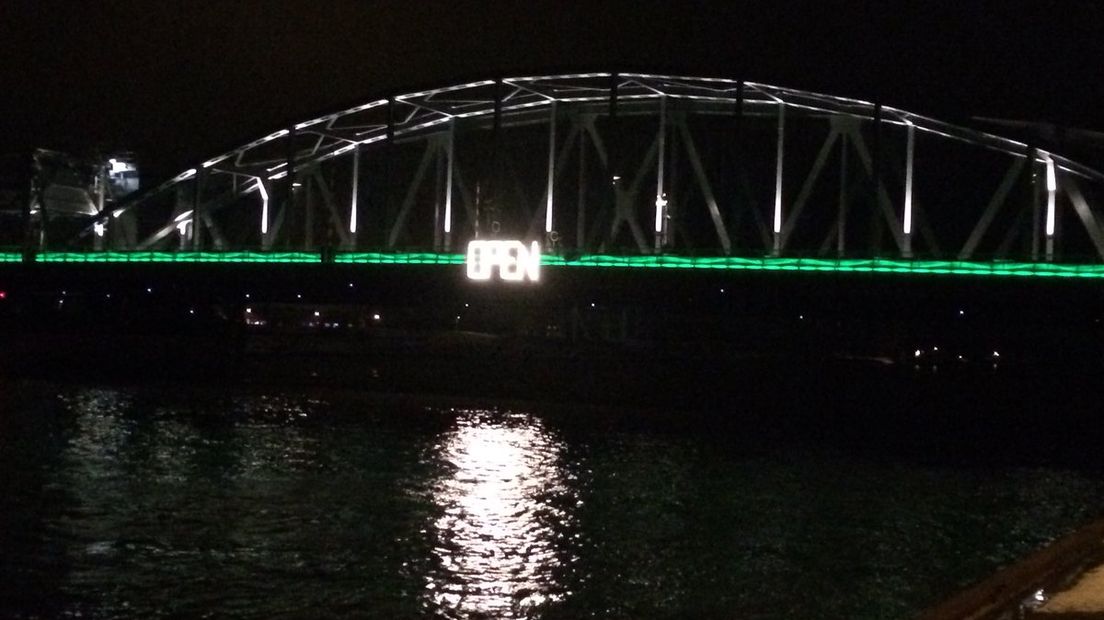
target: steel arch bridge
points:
(620, 169)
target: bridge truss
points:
(622, 169)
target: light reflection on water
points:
(496, 543)
(150, 503)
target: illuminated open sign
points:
(513, 261)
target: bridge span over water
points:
(610, 170)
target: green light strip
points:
(408, 258)
(877, 265)
(177, 257)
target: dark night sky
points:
(179, 81)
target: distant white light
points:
(99, 228)
(317, 313)
(149, 289)
(118, 167)
(917, 353)
(961, 312)
(298, 295)
(117, 213)
(249, 310)
(996, 354)
(660, 205)
(376, 317)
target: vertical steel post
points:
(739, 106)
(661, 196)
(580, 214)
(778, 179)
(289, 193)
(28, 168)
(551, 173)
(735, 163)
(389, 170)
(449, 166)
(613, 85)
(907, 216)
(197, 209)
(101, 198)
(263, 191)
(876, 168)
(1036, 215)
(841, 227)
(438, 174)
(308, 217)
(475, 224)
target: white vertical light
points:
(1052, 191)
(353, 202)
(264, 206)
(448, 178)
(778, 170)
(661, 199)
(551, 168)
(908, 178)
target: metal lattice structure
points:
(624, 165)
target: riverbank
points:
(1061, 581)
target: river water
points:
(161, 502)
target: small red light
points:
(3, 294)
